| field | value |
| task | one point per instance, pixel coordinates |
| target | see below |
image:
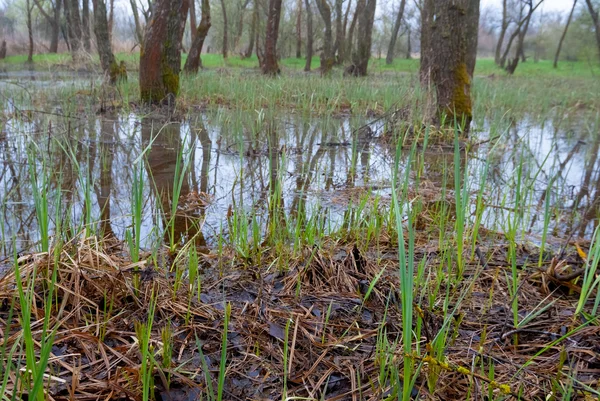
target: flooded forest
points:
(299, 200)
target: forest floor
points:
(300, 238)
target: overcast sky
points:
(548, 5)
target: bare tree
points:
(309, 36)
(596, 20)
(194, 61)
(136, 20)
(53, 19)
(253, 30)
(503, 28)
(225, 28)
(85, 25)
(299, 29)
(339, 46)
(361, 55)
(523, 24)
(564, 34)
(160, 58)
(327, 53)
(444, 58)
(73, 18)
(390, 53)
(269, 63)
(29, 30)
(112, 71)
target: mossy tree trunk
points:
(392, 46)
(596, 20)
(309, 36)
(270, 65)
(160, 57)
(361, 55)
(445, 51)
(112, 71)
(327, 54)
(194, 62)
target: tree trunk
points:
(3, 50)
(270, 65)
(240, 27)
(327, 53)
(193, 28)
(299, 29)
(85, 25)
(596, 19)
(339, 46)
(503, 29)
(309, 36)
(408, 44)
(472, 36)
(253, 30)
(54, 22)
(136, 20)
(112, 71)
(29, 31)
(225, 28)
(517, 34)
(366, 18)
(390, 53)
(111, 19)
(350, 37)
(194, 61)
(160, 58)
(73, 28)
(521, 43)
(564, 34)
(446, 43)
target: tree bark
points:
(111, 19)
(225, 28)
(253, 30)
(309, 36)
(472, 36)
(3, 50)
(327, 53)
(503, 29)
(269, 64)
(299, 29)
(390, 53)
(596, 20)
(446, 42)
(160, 58)
(194, 61)
(362, 54)
(85, 25)
(112, 71)
(339, 46)
(564, 34)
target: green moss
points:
(170, 81)
(460, 106)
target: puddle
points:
(236, 159)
